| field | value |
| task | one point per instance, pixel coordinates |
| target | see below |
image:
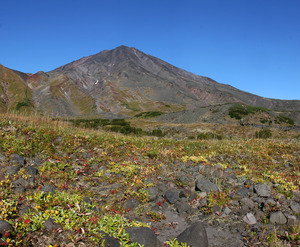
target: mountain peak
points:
(124, 47)
(125, 81)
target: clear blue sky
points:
(253, 45)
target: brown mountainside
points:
(122, 81)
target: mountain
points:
(123, 81)
(14, 90)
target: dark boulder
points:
(16, 159)
(144, 236)
(5, 227)
(194, 236)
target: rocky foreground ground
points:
(179, 204)
(67, 186)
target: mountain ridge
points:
(125, 81)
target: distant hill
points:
(122, 82)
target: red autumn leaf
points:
(113, 191)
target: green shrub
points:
(24, 103)
(263, 120)
(264, 133)
(149, 114)
(95, 123)
(115, 125)
(284, 119)
(209, 135)
(157, 132)
(152, 154)
(239, 110)
(120, 122)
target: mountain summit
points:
(124, 81)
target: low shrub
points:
(149, 114)
(264, 133)
(239, 110)
(209, 135)
(284, 119)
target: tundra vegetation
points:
(76, 159)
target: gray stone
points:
(162, 186)
(243, 192)
(296, 195)
(20, 189)
(31, 180)
(12, 170)
(258, 213)
(153, 193)
(262, 190)
(20, 185)
(226, 210)
(204, 185)
(270, 201)
(183, 194)
(278, 218)
(48, 189)
(5, 227)
(241, 180)
(183, 207)
(131, 204)
(2, 158)
(50, 225)
(87, 200)
(218, 237)
(295, 207)
(32, 171)
(37, 162)
(194, 235)
(184, 180)
(24, 210)
(216, 208)
(110, 241)
(16, 159)
(20, 181)
(202, 203)
(172, 196)
(144, 236)
(248, 183)
(247, 203)
(292, 220)
(250, 219)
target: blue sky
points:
(253, 45)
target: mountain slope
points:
(126, 81)
(127, 70)
(15, 94)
